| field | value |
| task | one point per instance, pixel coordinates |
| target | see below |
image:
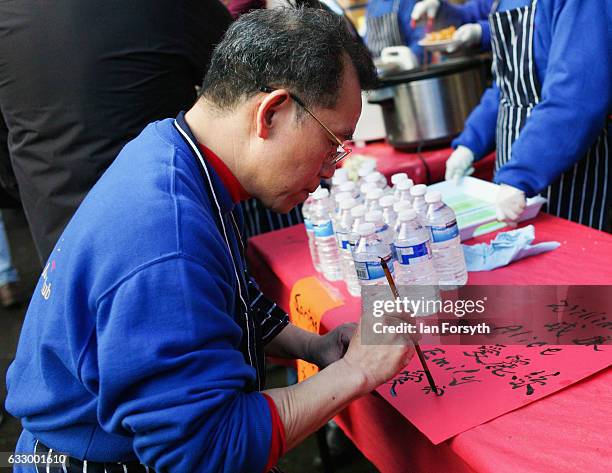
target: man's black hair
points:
(300, 49)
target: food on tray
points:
(445, 34)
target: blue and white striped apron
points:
(582, 193)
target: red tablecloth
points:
(568, 431)
(427, 170)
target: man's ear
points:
(267, 109)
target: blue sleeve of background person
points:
(485, 38)
(168, 371)
(479, 132)
(411, 35)
(575, 97)
(471, 11)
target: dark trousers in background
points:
(78, 80)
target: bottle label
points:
(343, 240)
(444, 233)
(325, 229)
(370, 270)
(308, 225)
(413, 254)
(384, 228)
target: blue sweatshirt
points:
(131, 346)
(472, 11)
(573, 60)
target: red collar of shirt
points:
(234, 187)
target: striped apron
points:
(259, 219)
(74, 465)
(383, 30)
(583, 192)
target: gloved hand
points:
(459, 164)
(424, 6)
(510, 203)
(466, 35)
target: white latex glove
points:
(510, 203)
(459, 164)
(466, 35)
(425, 6)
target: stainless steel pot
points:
(429, 106)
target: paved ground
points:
(299, 460)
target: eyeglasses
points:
(342, 151)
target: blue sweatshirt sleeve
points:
(575, 97)
(479, 132)
(471, 11)
(485, 38)
(168, 371)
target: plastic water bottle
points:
(398, 207)
(351, 188)
(339, 177)
(366, 187)
(343, 234)
(414, 263)
(371, 199)
(366, 167)
(376, 178)
(327, 247)
(368, 252)
(401, 190)
(307, 214)
(363, 172)
(381, 228)
(338, 198)
(449, 260)
(389, 215)
(344, 224)
(397, 177)
(418, 200)
(358, 213)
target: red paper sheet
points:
(479, 385)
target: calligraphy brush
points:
(417, 348)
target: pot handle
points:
(380, 95)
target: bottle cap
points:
(374, 194)
(408, 214)
(419, 189)
(374, 216)
(387, 201)
(366, 229)
(348, 203)
(320, 193)
(347, 186)
(402, 205)
(433, 196)
(367, 186)
(340, 196)
(341, 175)
(374, 176)
(363, 171)
(369, 164)
(404, 185)
(398, 177)
(358, 211)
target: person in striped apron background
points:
(388, 24)
(471, 15)
(547, 114)
(143, 347)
